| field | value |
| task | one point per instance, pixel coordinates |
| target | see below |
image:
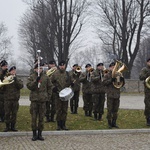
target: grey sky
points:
(10, 13)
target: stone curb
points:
(78, 132)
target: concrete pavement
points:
(111, 139)
(126, 101)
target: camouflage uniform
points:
(145, 72)
(98, 96)
(87, 94)
(113, 99)
(38, 98)
(11, 104)
(76, 88)
(2, 112)
(61, 80)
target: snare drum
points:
(66, 94)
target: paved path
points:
(126, 101)
(114, 139)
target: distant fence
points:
(130, 86)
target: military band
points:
(46, 82)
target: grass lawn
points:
(127, 119)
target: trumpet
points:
(51, 71)
(90, 69)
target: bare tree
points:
(5, 42)
(52, 26)
(142, 56)
(120, 27)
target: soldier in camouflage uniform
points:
(98, 91)
(61, 80)
(38, 97)
(144, 74)
(74, 73)
(11, 98)
(85, 79)
(3, 73)
(113, 97)
(50, 105)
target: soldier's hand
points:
(113, 79)
(38, 79)
(72, 84)
(55, 89)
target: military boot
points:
(95, 116)
(114, 123)
(86, 113)
(71, 109)
(58, 125)
(7, 127)
(34, 138)
(100, 117)
(75, 111)
(47, 118)
(90, 113)
(13, 127)
(52, 118)
(109, 124)
(148, 121)
(63, 125)
(40, 135)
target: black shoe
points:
(148, 121)
(100, 117)
(40, 135)
(95, 116)
(48, 119)
(13, 127)
(63, 125)
(58, 125)
(34, 138)
(90, 113)
(7, 128)
(86, 113)
(109, 124)
(114, 123)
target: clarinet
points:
(39, 58)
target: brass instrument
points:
(90, 70)
(118, 74)
(147, 82)
(78, 69)
(7, 80)
(51, 71)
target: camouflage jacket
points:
(12, 91)
(43, 93)
(75, 80)
(112, 92)
(145, 73)
(97, 84)
(86, 85)
(61, 79)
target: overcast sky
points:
(10, 14)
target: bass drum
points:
(66, 94)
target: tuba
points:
(7, 80)
(51, 71)
(117, 73)
(147, 82)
